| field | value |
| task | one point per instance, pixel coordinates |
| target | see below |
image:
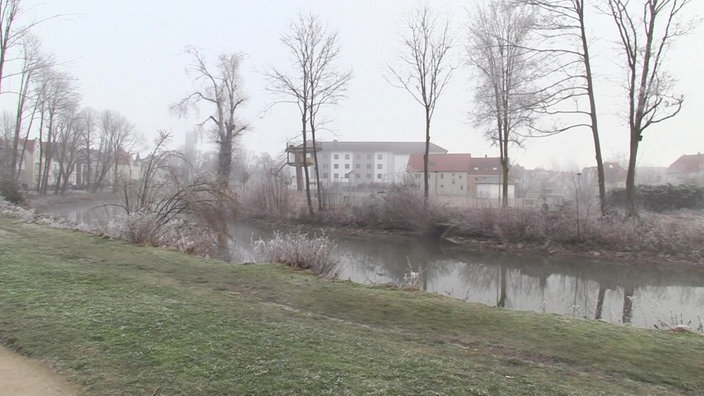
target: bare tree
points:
(424, 69)
(116, 134)
(87, 125)
(316, 82)
(32, 62)
(56, 94)
(10, 34)
(566, 24)
(68, 145)
(221, 88)
(646, 29)
(506, 97)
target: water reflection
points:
(584, 288)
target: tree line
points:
(532, 70)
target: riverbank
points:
(120, 319)
(462, 243)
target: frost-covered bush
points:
(10, 209)
(301, 251)
(144, 228)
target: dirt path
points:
(20, 376)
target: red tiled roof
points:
(485, 166)
(687, 164)
(440, 162)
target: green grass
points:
(120, 319)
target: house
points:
(687, 169)
(461, 174)
(359, 163)
(614, 175)
(447, 173)
(27, 154)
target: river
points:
(578, 287)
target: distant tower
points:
(191, 142)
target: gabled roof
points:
(440, 162)
(485, 166)
(687, 164)
(406, 148)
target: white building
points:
(358, 163)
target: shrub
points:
(297, 249)
(144, 228)
(10, 189)
(660, 198)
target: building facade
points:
(364, 163)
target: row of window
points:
(358, 156)
(379, 176)
(356, 166)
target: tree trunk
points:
(426, 156)
(305, 165)
(592, 110)
(224, 161)
(631, 207)
(321, 205)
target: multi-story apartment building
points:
(359, 163)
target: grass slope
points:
(120, 319)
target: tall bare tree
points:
(646, 29)
(506, 96)
(116, 135)
(424, 69)
(10, 34)
(56, 94)
(565, 24)
(32, 62)
(87, 125)
(315, 82)
(221, 88)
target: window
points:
(378, 175)
(369, 156)
(347, 175)
(336, 166)
(379, 156)
(417, 175)
(369, 175)
(336, 156)
(453, 181)
(442, 175)
(337, 175)
(347, 166)
(357, 175)
(325, 175)
(442, 186)
(357, 166)
(379, 166)
(369, 166)
(347, 156)
(357, 156)
(461, 188)
(325, 166)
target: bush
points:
(10, 190)
(660, 198)
(301, 251)
(144, 228)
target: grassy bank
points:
(120, 319)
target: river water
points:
(578, 287)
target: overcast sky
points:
(129, 57)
